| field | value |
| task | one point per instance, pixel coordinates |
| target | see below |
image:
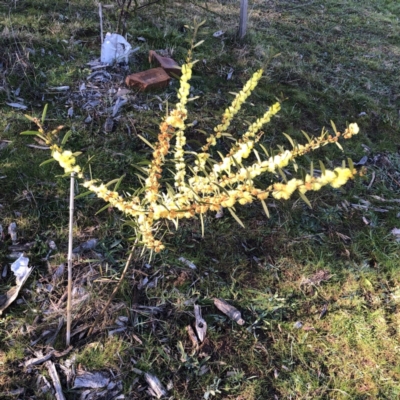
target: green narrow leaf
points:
(333, 126)
(146, 141)
(29, 117)
(288, 138)
(281, 148)
(198, 43)
(306, 136)
(170, 189)
(103, 208)
(47, 162)
(202, 131)
(143, 170)
(322, 166)
(351, 164)
(265, 150)
(79, 196)
(220, 154)
(119, 182)
(143, 162)
(312, 168)
(282, 174)
(339, 145)
(221, 187)
(265, 208)
(237, 165)
(202, 224)
(304, 198)
(112, 181)
(236, 217)
(140, 176)
(228, 136)
(34, 133)
(66, 137)
(303, 173)
(44, 113)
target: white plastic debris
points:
(21, 272)
(12, 231)
(396, 233)
(220, 213)
(218, 33)
(20, 269)
(187, 262)
(298, 325)
(115, 48)
(60, 88)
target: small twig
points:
(206, 9)
(125, 16)
(120, 16)
(372, 180)
(34, 146)
(299, 6)
(146, 5)
(56, 380)
(128, 262)
(70, 239)
(394, 179)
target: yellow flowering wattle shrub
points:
(206, 184)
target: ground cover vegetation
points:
(318, 288)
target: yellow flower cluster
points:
(335, 178)
(66, 160)
(233, 109)
(212, 184)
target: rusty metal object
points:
(170, 66)
(155, 78)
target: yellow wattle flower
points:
(213, 185)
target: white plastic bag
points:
(114, 48)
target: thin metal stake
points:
(70, 238)
(243, 18)
(101, 22)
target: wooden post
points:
(243, 18)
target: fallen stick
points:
(56, 380)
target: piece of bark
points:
(201, 324)
(39, 359)
(230, 311)
(56, 380)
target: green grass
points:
(337, 61)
